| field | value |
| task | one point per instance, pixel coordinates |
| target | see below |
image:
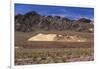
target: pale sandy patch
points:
(56, 37)
(43, 37)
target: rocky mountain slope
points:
(32, 21)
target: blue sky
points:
(63, 11)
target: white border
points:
(79, 3)
(12, 35)
(73, 3)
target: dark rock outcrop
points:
(84, 20)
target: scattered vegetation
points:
(52, 55)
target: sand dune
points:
(56, 37)
(43, 37)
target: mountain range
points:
(32, 21)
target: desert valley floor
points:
(33, 48)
